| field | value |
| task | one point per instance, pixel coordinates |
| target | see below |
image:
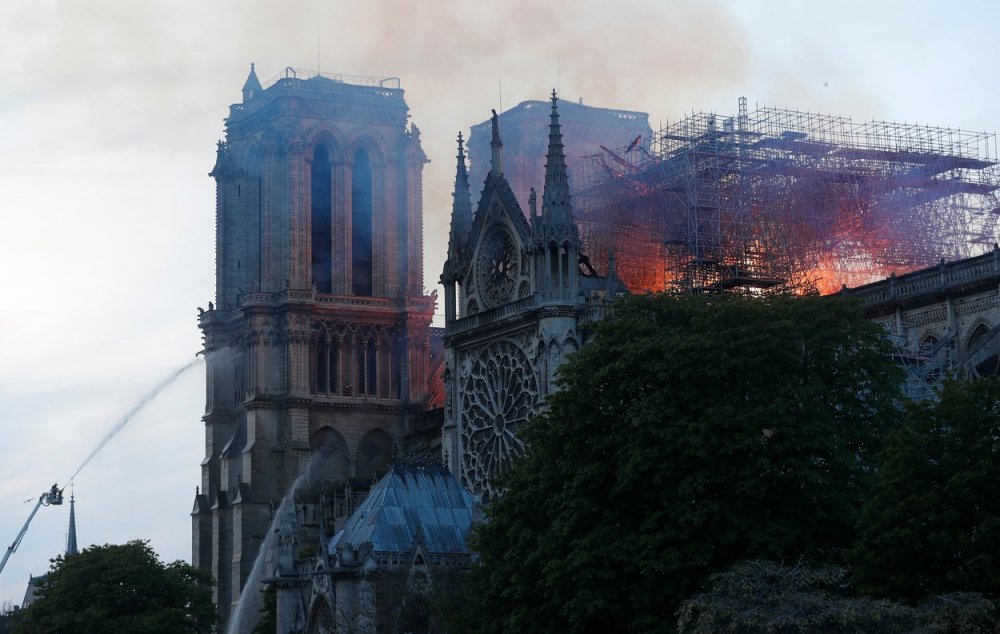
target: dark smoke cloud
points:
(453, 57)
(156, 77)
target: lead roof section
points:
(410, 504)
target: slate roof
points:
(410, 503)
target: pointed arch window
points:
(322, 215)
(368, 368)
(928, 353)
(325, 357)
(558, 268)
(928, 342)
(373, 454)
(361, 224)
(985, 364)
(978, 333)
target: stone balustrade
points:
(312, 297)
(946, 275)
(489, 316)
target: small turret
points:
(461, 207)
(554, 234)
(461, 226)
(251, 87)
(556, 211)
(497, 146)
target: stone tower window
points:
(361, 224)
(368, 368)
(325, 366)
(321, 197)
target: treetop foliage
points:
(120, 588)
(757, 596)
(692, 432)
(932, 524)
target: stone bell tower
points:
(317, 342)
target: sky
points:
(109, 114)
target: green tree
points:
(692, 432)
(120, 588)
(760, 596)
(933, 522)
(8, 615)
(268, 622)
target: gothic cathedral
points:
(516, 292)
(317, 343)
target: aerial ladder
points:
(53, 496)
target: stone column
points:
(300, 216)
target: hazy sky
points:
(109, 113)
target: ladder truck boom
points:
(52, 496)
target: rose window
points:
(499, 393)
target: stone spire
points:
(556, 211)
(252, 86)
(461, 207)
(71, 548)
(497, 146)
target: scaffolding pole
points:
(778, 199)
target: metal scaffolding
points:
(788, 200)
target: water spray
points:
(249, 604)
(54, 496)
(130, 414)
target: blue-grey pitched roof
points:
(410, 503)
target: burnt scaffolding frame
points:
(778, 199)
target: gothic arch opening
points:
(324, 363)
(331, 462)
(558, 267)
(977, 351)
(368, 367)
(252, 161)
(361, 224)
(321, 197)
(980, 331)
(928, 353)
(321, 618)
(374, 453)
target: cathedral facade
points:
(516, 291)
(318, 342)
(323, 371)
(324, 375)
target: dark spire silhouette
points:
(556, 211)
(461, 207)
(71, 548)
